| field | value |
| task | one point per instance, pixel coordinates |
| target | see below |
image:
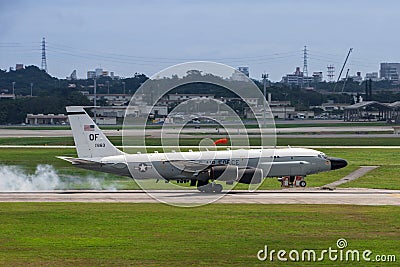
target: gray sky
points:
(147, 36)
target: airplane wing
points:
(190, 166)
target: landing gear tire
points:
(303, 183)
(210, 188)
(217, 188)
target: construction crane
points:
(345, 80)
(344, 64)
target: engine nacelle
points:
(250, 176)
(224, 173)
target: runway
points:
(170, 132)
(306, 196)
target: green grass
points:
(98, 234)
(387, 176)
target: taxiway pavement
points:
(191, 197)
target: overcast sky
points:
(147, 36)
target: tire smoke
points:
(45, 177)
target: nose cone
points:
(337, 163)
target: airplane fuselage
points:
(273, 162)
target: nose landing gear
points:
(292, 181)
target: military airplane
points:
(201, 168)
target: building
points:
(19, 66)
(318, 76)
(368, 111)
(184, 97)
(298, 79)
(111, 99)
(176, 99)
(279, 109)
(355, 78)
(106, 120)
(390, 71)
(7, 96)
(373, 76)
(46, 119)
(330, 106)
(244, 70)
(239, 76)
(91, 74)
(135, 111)
(99, 72)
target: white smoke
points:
(15, 179)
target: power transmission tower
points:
(331, 72)
(305, 67)
(44, 62)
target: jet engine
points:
(224, 173)
(250, 176)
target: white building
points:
(111, 99)
(46, 119)
(298, 79)
(135, 111)
(7, 96)
(372, 75)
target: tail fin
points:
(90, 141)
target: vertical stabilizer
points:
(90, 141)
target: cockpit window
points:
(322, 155)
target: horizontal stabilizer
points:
(78, 161)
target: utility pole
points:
(31, 89)
(108, 87)
(95, 98)
(123, 83)
(13, 86)
(264, 77)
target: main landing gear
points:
(292, 181)
(206, 187)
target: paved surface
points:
(285, 196)
(348, 131)
(352, 176)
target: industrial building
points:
(111, 99)
(34, 119)
(390, 71)
(373, 111)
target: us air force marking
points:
(142, 167)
